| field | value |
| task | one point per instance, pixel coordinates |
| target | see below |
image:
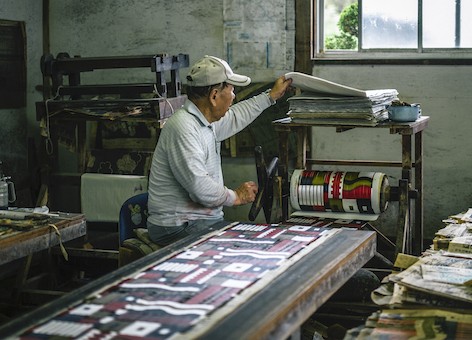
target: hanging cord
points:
(167, 100)
(63, 249)
(48, 144)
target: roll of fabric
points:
(339, 192)
(102, 194)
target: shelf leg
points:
(418, 235)
(403, 228)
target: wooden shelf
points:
(409, 237)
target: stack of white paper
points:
(326, 102)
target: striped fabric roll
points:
(337, 191)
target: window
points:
(413, 28)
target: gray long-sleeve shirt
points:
(186, 180)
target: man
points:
(186, 188)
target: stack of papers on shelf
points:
(425, 323)
(456, 236)
(438, 277)
(325, 102)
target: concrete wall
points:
(19, 124)
(253, 37)
(100, 28)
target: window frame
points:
(420, 55)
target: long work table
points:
(240, 281)
(22, 239)
(61, 227)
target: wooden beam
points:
(303, 29)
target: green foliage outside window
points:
(348, 25)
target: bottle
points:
(3, 189)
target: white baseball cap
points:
(211, 71)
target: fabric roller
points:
(361, 195)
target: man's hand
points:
(246, 193)
(280, 87)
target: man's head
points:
(211, 71)
(210, 86)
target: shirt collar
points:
(191, 108)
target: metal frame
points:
(409, 237)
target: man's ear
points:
(212, 96)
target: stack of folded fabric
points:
(325, 102)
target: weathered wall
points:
(17, 124)
(106, 28)
(255, 38)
